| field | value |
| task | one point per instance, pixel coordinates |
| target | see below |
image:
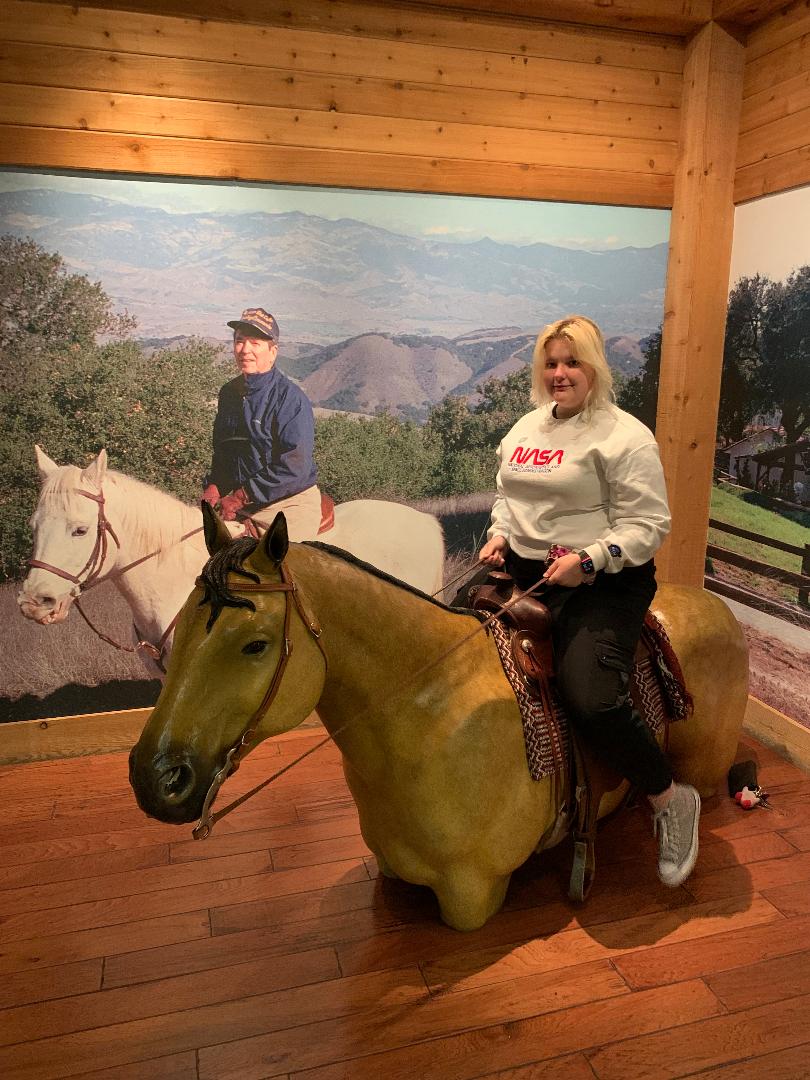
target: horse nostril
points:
(176, 784)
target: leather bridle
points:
(93, 568)
(98, 555)
(242, 745)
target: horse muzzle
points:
(45, 609)
(167, 787)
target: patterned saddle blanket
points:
(656, 685)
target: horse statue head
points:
(245, 636)
(74, 543)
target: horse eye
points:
(253, 647)
(80, 530)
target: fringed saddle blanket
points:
(656, 686)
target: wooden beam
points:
(157, 156)
(745, 12)
(779, 173)
(670, 17)
(697, 292)
(378, 23)
(680, 17)
(791, 23)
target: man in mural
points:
(264, 435)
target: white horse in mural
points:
(95, 524)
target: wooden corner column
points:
(697, 292)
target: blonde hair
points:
(587, 344)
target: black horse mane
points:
(230, 560)
(214, 577)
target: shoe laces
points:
(666, 826)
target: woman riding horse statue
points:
(414, 695)
(93, 525)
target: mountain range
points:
(188, 273)
(370, 318)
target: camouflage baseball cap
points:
(256, 321)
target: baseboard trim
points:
(115, 732)
(787, 737)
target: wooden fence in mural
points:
(801, 581)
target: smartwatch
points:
(586, 564)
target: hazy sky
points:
(447, 216)
(772, 235)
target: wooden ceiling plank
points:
(673, 18)
(779, 137)
(774, 68)
(409, 22)
(328, 54)
(773, 104)
(774, 174)
(94, 111)
(791, 22)
(178, 77)
(76, 69)
(746, 12)
(86, 150)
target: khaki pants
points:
(302, 511)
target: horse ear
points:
(214, 529)
(275, 541)
(96, 470)
(45, 464)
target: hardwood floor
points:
(129, 951)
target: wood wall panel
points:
(773, 151)
(381, 22)
(223, 122)
(52, 148)
(198, 81)
(351, 94)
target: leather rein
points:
(241, 747)
(93, 567)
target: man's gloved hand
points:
(231, 504)
(211, 495)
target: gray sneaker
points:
(677, 830)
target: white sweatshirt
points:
(595, 485)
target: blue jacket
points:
(264, 435)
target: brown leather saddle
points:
(587, 779)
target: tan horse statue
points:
(433, 752)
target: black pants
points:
(596, 629)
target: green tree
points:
(639, 395)
(783, 377)
(381, 457)
(72, 383)
(44, 307)
(468, 435)
(739, 395)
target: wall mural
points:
(407, 320)
(759, 542)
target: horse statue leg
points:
(713, 654)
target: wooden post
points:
(697, 293)
(804, 594)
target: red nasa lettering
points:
(534, 456)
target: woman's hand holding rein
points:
(493, 551)
(566, 571)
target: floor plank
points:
(709, 1043)
(510, 1045)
